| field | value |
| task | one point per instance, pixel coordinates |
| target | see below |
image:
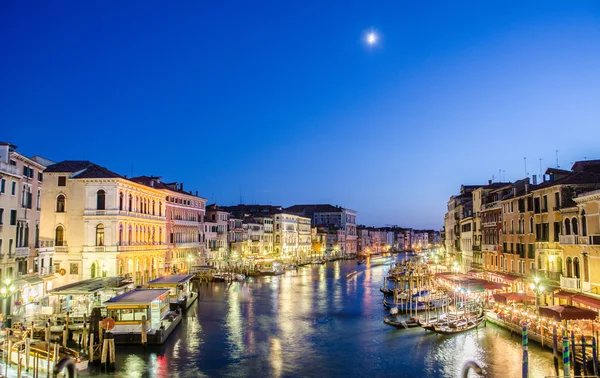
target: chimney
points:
(152, 183)
(181, 187)
(526, 187)
(489, 182)
(534, 177)
(196, 193)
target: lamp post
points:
(537, 288)
(6, 291)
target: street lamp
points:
(538, 289)
(6, 291)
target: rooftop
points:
(172, 279)
(91, 286)
(141, 296)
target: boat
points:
(461, 325)
(411, 323)
(38, 348)
(351, 274)
(386, 291)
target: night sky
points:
(284, 102)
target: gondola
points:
(386, 291)
(462, 325)
(401, 324)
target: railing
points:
(181, 222)
(22, 252)
(492, 205)
(476, 248)
(123, 213)
(570, 283)
(187, 244)
(99, 248)
(584, 240)
(47, 270)
(550, 275)
(61, 249)
(490, 247)
(475, 265)
(141, 247)
(568, 239)
(10, 169)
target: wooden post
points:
(583, 354)
(144, 334)
(65, 335)
(27, 352)
(9, 352)
(100, 330)
(55, 355)
(104, 352)
(91, 348)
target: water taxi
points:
(128, 310)
(180, 287)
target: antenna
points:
(525, 159)
(541, 174)
(557, 166)
(503, 175)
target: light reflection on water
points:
(316, 322)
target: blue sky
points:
(282, 102)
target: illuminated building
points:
(185, 214)
(215, 229)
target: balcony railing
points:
(584, 240)
(46, 270)
(141, 247)
(490, 247)
(21, 252)
(99, 248)
(61, 249)
(570, 283)
(9, 169)
(181, 222)
(187, 244)
(550, 275)
(122, 213)
(568, 239)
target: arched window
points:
(512, 226)
(159, 208)
(120, 234)
(153, 207)
(93, 270)
(38, 203)
(576, 271)
(583, 224)
(120, 200)
(130, 202)
(59, 236)
(569, 267)
(567, 226)
(531, 225)
(100, 200)
(60, 204)
(100, 235)
(574, 225)
(130, 236)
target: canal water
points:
(315, 322)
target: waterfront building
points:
(324, 215)
(252, 239)
(400, 241)
(266, 221)
(292, 236)
(491, 225)
(185, 214)
(101, 224)
(481, 213)
(236, 237)
(215, 229)
(21, 188)
(319, 243)
(421, 240)
(363, 240)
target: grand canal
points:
(317, 323)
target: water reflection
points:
(316, 322)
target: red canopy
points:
(589, 301)
(515, 297)
(567, 313)
(563, 294)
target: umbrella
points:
(567, 313)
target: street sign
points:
(108, 324)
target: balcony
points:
(187, 245)
(568, 239)
(47, 270)
(490, 247)
(492, 205)
(553, 276)
(121, 213)
(595, 239)
(22, 252)
(9, 169)
(141, 247)
(584, 240)
(570, 283)
(475, 265)
(61, 249)
(181, 222)
(99, 249)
